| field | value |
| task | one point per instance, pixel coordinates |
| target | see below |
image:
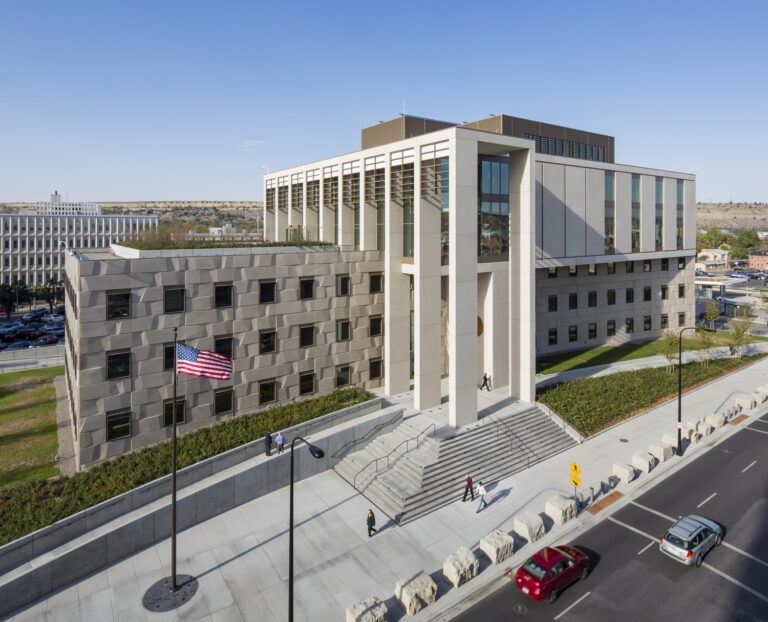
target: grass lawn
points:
(603, 355)
(28, 440)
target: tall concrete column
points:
(462, 283)
(368, 213)
(397, 305)
(281, 217)
(522, 277)
(325, 216)
(296, 212)
(346, 213)
(426, 321)
(494, 297)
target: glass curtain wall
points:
(493, 207)
(635, 213)
(680, 212)
(659, 228)
(374, 197)
(434, 192)
(401, 180)
(351, 198)
(331, 202)
(610, 212)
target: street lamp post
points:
(680, 384)
(316, 453)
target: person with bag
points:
(370, 520)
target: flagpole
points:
(173, 468)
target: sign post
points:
(575, 470)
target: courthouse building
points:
(451, 251)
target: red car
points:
(549, 571)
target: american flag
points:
(202, 363)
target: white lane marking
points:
(651, 510)
(567, 609)
(760, 421)
(709, 498)
(749, 466)
(745, 554)
(631, 528)
(756, 430)
(645, 548)
(762, 597)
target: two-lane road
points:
(632, 581)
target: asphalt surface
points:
(631, 580)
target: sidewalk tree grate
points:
(604, 502)
(738, 420)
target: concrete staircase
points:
(420, 469)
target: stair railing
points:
(514, 437)
(372, 432)
(406, 442)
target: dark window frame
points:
(378, 319)
(114, 353)
(647, 265)
(306, 329)
(262, 285)
(174, 288)
(303, 283)
(592, 298)
(629, 295)
(647, 323)
(113, 315)
(552, 336)
(166, 348)
(610, 297)
(629, 325)
(217, 395)
(551, 273)
(340, 326)
(573, 271)
(592, 330)
(167, 412)
(268, 331)
(264, 385)
(372, 375)
(374, 277)
(349, 375)
(681, 290)
(343, 282)
(223, 286)
(110, 425)
(302, 377)
(552, 303)
(573, 301)
(219, 345)
(610, 328)
(647, 293)
(573, 333)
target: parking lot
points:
(36, 328)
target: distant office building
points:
(758, 260)
(713, 259)
(32, 244)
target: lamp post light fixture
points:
(680, 383)
(316, 453)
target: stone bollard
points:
(715, 420)
(670, 438)
(461, 566)
(529, 526)
(689, 431)
(369, 610)
(704, 429)
(560, 509)
(661, 451)
(416, 592)
(625, 472)
(746, 403)
(497, 546)
(643, 461)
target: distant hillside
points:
(732, 215)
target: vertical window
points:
(573, 301)
(401, 193)
(118, 365)
(267, 391)
(267, 341)
(306, 289)
(610, 212)
(681, 291)
(592, 299)
(610, 328)
(118, 425)
(173, 300)
(307, 336)
(169, 357)
(681, 319)
(629, 324)
(222, 295)
(659, 224)
(665, 264)
(306, 383)
(552, 337)
(629, 295)
(647, 265)
(573, 333)
(611, 296)
(343, 330)
(592, 269)
(168, 412)
(376, 283)
(647, 323)
(376, 369)
(376, 326)
(343, 375)
(493, 206)
(551, 273)
(629, 266)
(635, 213)
(118, 304)
(223, 346)
(343, 285)
(611, 267)
(267, 291)
(592, 330)
(222, 401)
(664, 292)
(573, 271)
(681, 263)
(680, 212)
(664, 320)
(552, 303)
(646, 294)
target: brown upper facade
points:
(550, 139)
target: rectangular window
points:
(343, 285)
(610, 328)
(681, 319)
(376, 326)
(376, 283)
(343, 330)
(118, 425)
(552, 303)
(592, 330)
(168, 412)
(222, 295)
(647, 322)
(664, 320)
(646, 294)
(664, 292)
(592, 299)
(659, 224)
(664, 264)
(118, 305)
(629, 324)
(306, 289)
(551, 273)
(611, 296)
(267, 341)
(267, 291)
(681, 263)
(573, 271)
(173, 300)
(307, 336)
(611, 267)
(169, 357)
(118, 365)
(223, 346)
(306, 383)
(680, 213)
(267, 391)
(552, 336)
(681, 291)
(222, 401)
(573, 301)
(573, 333)
(635, 213)
(592, 269)
(647, 265)
(629, 266)
(610, 212)
(629, 295)
(343, 375)
(376, 369)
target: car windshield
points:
(534, 569)
(677, 541)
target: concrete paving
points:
(240, 557)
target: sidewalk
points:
(240, 557)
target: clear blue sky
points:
(109, 100)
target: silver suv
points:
(690, 538)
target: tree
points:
(669, 349)
(714, 237)
(743, 242)
(7, 299)
(705, 339)
(743, 318)
(711, 314)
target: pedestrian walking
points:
(370, 520)
(481, 493)
(468, 488)
(268, 443)
(486, 382)
(280, 442)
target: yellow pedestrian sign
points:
(575, 468)
(575, 480)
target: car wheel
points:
(584, 573)
(698, 560)
(552, 596)
(719, 539)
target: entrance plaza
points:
(241, 557)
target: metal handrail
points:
(370, 432)
(514, 436)
(406, 442)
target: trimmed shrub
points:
(27, 507)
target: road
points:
(632, 581)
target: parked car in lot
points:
(549, 571)
(54, 329)
(10, 327)
(34, 314)
(29, 334)
(59, 309)
(10, 335)
(18, 345)
(690, 539)
(48, 318)
(45, 340)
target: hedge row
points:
(156, 245)
(592, 404)
(27, 507)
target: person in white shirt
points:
(481, 492)
(280, 442)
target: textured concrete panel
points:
(575, 211)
